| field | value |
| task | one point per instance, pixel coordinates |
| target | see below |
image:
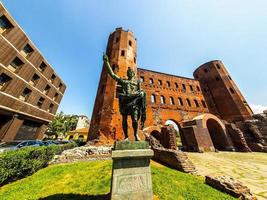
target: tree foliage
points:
(62, 124)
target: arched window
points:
(232, 90)
(162, 99)
(188, 102)
(198, 89)
(191, 88)
(172, 101)
(196, 103)
(204, 104)
(176, 85)
(184, 88)
(151, 81)
(70, 137)
(159, 82)
(153, 98)
(168, 84)
(180, 101)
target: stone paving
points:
(249, 168)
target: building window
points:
(34, 79)
(42, 66)
(151, 81)
(206, 70)
(180, 101)
(217, 78)
(117, 39)
(130, 43)
(27, 50)
(196, 103)
(4, 80)
(122, 53)
(191, 88)
(55, 97)
(5, 24)
(176, 85)
(188, 102)
(134, 60)
(232, 90)
(50, 109)
(25, 94)
(204, 104)
(60, 85)
(184, 87)
(198, 89)
(47, 88)
(53, 77)
(218, 66)
(162, 99)
(15, 64)
(172, 101)
(159, 82)
(153, 98)
(168, 84)
(40, 102)
(142, 79)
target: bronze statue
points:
(132, 100)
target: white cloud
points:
(258, 108)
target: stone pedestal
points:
(131, 175)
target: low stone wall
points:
(230, 186)
(84, 153)
(175, 159)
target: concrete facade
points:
(30, 89)
(200, 106)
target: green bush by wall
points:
(23, 162)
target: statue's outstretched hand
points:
(105, 57)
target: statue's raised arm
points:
(110, 71)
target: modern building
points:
(202, 107)
(78, 134)
(30, 89)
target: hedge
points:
(23, 162)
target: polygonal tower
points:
(106, 119)
(216, 81)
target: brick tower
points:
(106, 119)
(216, 81)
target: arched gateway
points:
(206, 132)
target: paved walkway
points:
(249, 168)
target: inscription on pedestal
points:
(132, 183)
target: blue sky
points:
(172, 36)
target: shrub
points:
(23, 162)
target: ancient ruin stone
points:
(83, 153)
(237, 137)
(230, 186)
(173, 158)
(168, 137)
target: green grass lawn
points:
(91, 180)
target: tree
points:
(61, 125)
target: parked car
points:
(50, 142)
(33, 143)
(18, 145)
(6, 146)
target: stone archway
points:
(216, 130)
(217, 134)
